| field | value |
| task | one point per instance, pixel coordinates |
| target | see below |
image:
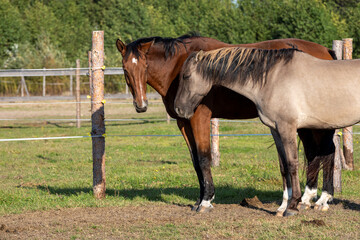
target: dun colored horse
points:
(157, 61)
(291, 90)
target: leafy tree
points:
(39, 55)
(306, 19)
(11, 29)
(48, 33)
(41, 21)
(74, 37)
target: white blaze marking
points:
(134, 61)
(143, 103)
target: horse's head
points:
(193, 87)
(135, 71)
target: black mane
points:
(170, 44)
(241, 64)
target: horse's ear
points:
(146, 46)
(121, 47)
(199, 55)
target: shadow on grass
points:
(224, 195)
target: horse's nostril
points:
(179, 111)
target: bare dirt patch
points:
(226, 221)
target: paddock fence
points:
(22, 84)
(343, 159)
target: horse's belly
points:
(328, 121)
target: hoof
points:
(195, 207)
(324, 208)
(279, 214)
(290, 212)
(202, 209)
(303, 206)
(321, 208)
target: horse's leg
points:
(310, 148)
(287, 134)
(200, 124)
(327, 154)
(287, 190)
(185, 128)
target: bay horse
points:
(157, 61)
(287, 88)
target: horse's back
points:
(311, 48)
(325, 94)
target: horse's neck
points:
(162, 72)
(248, 89)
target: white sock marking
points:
(286, 196)
(309, 194)
(323, 200)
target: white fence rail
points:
(54, 72)
(22, 73)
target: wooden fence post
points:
(215, 153)
(24, 87)
(97, 114)
(90, 73)
(78, 104)
(44, 84)
(348, 132)
(338, 48)
(71, 84)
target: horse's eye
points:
(186, 77)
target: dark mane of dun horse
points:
(234, 64)
(162, 59)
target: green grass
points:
(58, 173)
(52, 174)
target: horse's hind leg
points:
(327, 154)
(310, 148)
(319, 149)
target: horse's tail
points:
(332, 53)
(325, 163)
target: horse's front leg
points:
(286, 134)
(287, 190)
(200, 125)
(186, 131)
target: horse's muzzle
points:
(181, 113)
(141, 109)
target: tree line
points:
(51, 34)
